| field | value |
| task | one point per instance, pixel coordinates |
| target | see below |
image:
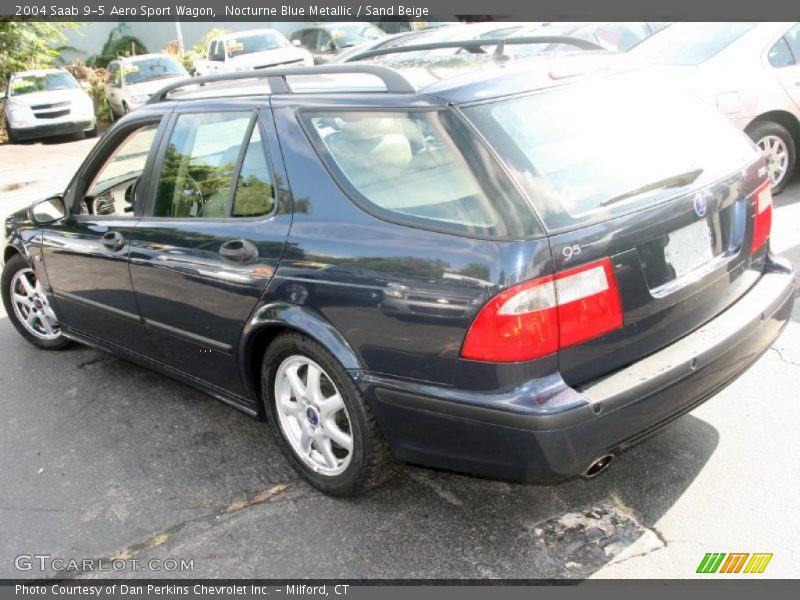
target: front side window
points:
(199, 169)
(691, 43)
(421, 168)
(112, 187)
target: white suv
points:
(47, 103)
(132, 80)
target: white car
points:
(248, 50)
(131, 81)
(46, 103)
(750, 72)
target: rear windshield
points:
(691, 43)
(607, 146)
(421, 168)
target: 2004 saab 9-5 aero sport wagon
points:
(482, 272)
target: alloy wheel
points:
(776, 154)
(31, 306)
(312, 416)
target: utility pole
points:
(179, 37)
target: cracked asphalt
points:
(101, 458)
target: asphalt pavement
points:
(100, 458)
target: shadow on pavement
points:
(101, 457)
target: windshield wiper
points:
(680, 180)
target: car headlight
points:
(85, 107)
(18, 112)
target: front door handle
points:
(238, 250)
(113, 240)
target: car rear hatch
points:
(650, 200)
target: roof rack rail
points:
(395, 83)
(468, 44)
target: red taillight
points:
(762, 224)
(538, 317)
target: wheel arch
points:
(781, 117)
(272, 320)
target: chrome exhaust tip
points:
(598, 466)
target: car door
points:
(785, 56)
(211, 239)
(86, 254)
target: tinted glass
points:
(424, 169)
(780, 55)
(28, 84)
(582, 161)
(110, 192)
(199, 165)
(691, 43)
(255, 194)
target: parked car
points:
(326, 40)
(615, 36)
(247, 50)
(750, 72)
(612, 269)
(132, 80)
(489, 31)
(45, 103)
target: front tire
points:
(777, 144)
(320, 420)
(28, 307)
(12, 139)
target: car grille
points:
(51, 111)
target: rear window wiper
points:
(680, 180)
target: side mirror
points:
(296, 43)
(48, 210)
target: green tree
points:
(117, 45)
(30, 45)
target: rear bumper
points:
(548, 431)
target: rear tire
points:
(23, 296)
(777, 144)
(297, 413)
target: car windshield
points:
(27, 84)
(148, 69)
(346, 35)
(256, 43)
(690, 43)
(636, 142)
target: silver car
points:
(132, 80)
(749, 71)
(45, 103)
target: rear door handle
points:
(113, 240)
(238, 250)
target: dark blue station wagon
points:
(513, 270)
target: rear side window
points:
(780, 55)
(423, 169)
